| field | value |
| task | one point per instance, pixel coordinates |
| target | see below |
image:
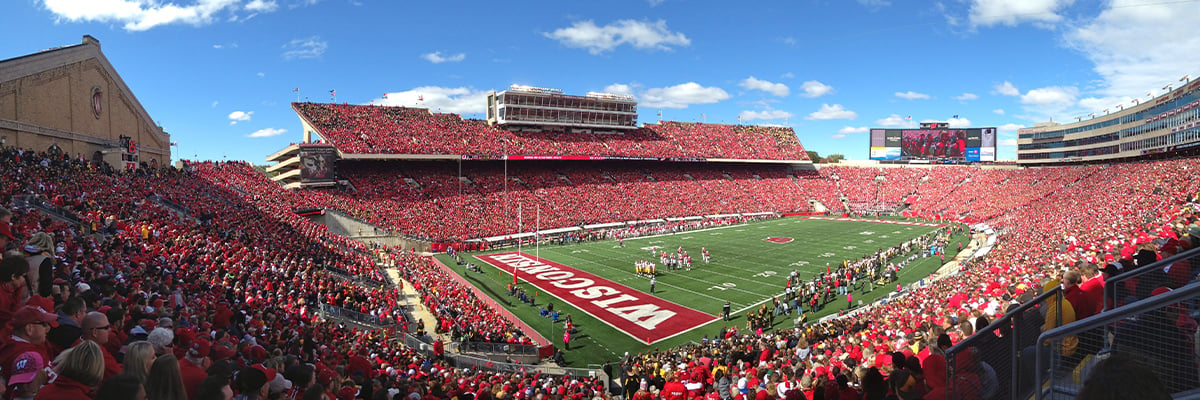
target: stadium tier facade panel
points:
(549, 109)
(1164, 125)
(71, 100)
(934, 142)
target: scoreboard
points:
(934, 142)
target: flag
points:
(296, 90)
(333, 92)
(420, 97)
(739, 118)
(908, 118)
(1183, 79)
(174, 144)
(1092, 115)
(1149, 94)
(955, 116)
(660, 113)
(385, 96)
(1167, 88)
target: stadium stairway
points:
(416, 308)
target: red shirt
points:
(111, 366)
(674, 390)
(13, 349)
(64, 388)
(192, 377)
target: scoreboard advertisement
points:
(934, 144)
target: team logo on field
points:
(780, 240)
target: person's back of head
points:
(83, 363)
(164, 381)
(122, 387)
(1121, 376)
(214, 387)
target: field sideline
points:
(745, 270)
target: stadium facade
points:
(1165, 125)
(71, 99)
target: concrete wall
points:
(344, 225)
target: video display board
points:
(950, 144)
(317, 164)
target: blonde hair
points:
(83, 363)
(135, 359)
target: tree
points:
(834, 158)
(814, 156)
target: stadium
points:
(557, 248)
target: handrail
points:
(1110, 283)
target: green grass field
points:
(745, 270)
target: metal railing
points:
(465, 361)
(374, 321)
(1115, 292)
(496, 348)
(997, 348)
(1145, 330)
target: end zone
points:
(644, 317)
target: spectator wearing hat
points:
(80, 370)
(193, 365)
(30, 325)
(6, 235)
(69, 329)
(254, 382)
(164, 381)
(27, 375)
(97, 329)
(13, 271)
(39, 250)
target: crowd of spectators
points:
(400, 130)
(201, 282)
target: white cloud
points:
(459, 100)
(814, 89)
(1011, 142)
(959, 122)
(1051, 96)
(1013, 12)
(267, 132)
(788, 75)
(875, 3)
(619, 88)
(911, 95)
(261, 6)
(655, 3)
(261, 74)
(832, 112)
(999, 111)
(680, 96)
(967, 97)
(437, 58)
(851, 129)
(138, 15)
(753, 83)
(1007, 89)
(312, 47)
(214, 104)
(642, 35)
(239, 116)
(896, 121)
(837, 136)
(1009, 128)
(1136, 46)
(767, 114)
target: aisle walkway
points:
(415, 307)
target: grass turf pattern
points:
(745, 270)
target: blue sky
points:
(219, 74)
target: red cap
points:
(6, 231)
(269, 372)
(32, 314)
(200, 348)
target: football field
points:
(596, 284)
